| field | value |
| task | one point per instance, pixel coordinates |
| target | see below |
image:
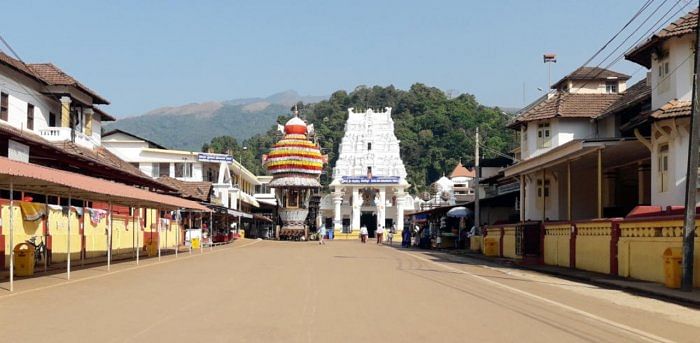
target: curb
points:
(592, 279)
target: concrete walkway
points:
(268, 291)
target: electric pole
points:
(477, 214)
(691, 180)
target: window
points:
(369, 172)
(610, 86)
(183, 169)
(544, 139)
(52, 119)
(4, 105)
(663, 168)
(369, 146)
(30, 116)
(160, 169)
(542, 189)
(663, 69)
(523, 134)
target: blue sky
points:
(146, 54)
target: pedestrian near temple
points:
(380, 234)
(322, 234)
(363, 234)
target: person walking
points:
(322, 234)
(363, 234)
(380, 234)
(406, 238)
(390, 234)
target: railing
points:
(62, 134)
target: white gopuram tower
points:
(369, 178)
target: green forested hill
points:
(435, 131)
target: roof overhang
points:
(34, 178)
(622, 149)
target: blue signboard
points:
(370, 180)
(206, 157)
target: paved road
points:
(266, 291)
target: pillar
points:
(643, 186)
(609, 188)
(381, 208)
(338, 218)
(88, 113)
(522, 198)
(600, 184)
(356, 207)
(399, 211)
(65, 111)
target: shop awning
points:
(34, 178)
(250, 200)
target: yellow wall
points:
(509, 242)
(475, 243)
(556, 245)
(95, 234)
(642, 245)
(593, 246)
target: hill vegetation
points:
(435, 131)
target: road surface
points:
(268, 291)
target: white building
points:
(369, 178)
(668, 54)
(576, 163)
(42, 99)
(156, 161)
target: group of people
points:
(379, 234)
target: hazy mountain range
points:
(189, 126)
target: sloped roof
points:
(54, 76)
(150, 142)
(591, 73)
(568, 105)
(462, 171)
(687, 24)
(18, 65)
(634, 95)
(197, 190)
(673, 109)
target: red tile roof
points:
(568, 105)
(634, 95)
(591, 73)
(673, 109)
(686, 24)
(54, 76)
(189, 189)
(32, 177)
(461, 171)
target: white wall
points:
(562, 131)
(679, 84)
(19, 88)
(677, 164)
(533, 203)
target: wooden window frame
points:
(30, 116)
(4, 106)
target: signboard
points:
(207, 157)
(17, 151)
(369, 180)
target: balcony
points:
(62, 134)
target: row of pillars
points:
(605, 188)
(357, 206)
(110, 223)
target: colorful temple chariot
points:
(295, 163)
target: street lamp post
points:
(240, 190)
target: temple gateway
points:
(369, 178)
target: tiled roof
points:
(104, 115)
(17, 65)
(568, 105)
(57, 77)
(189, 189)
(634, 95)
(461, 171)
(686, 24)
(673, 109)
(591, 73)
